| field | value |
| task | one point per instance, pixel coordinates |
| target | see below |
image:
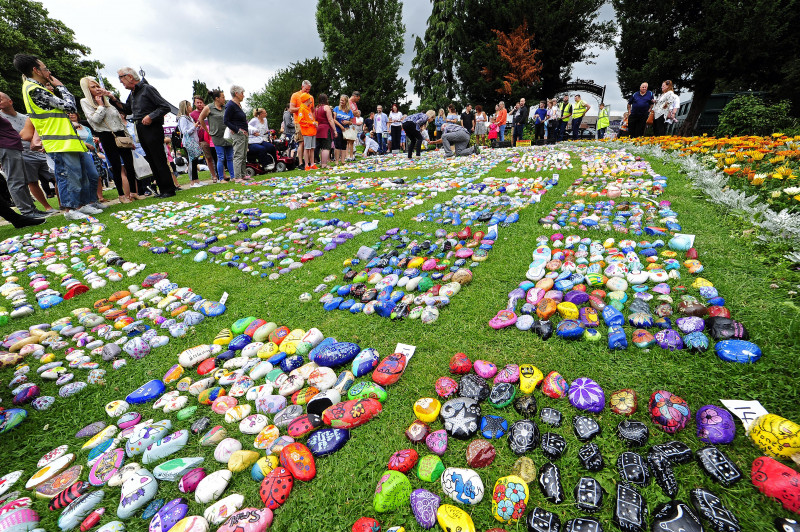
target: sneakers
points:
(196, 184)
(88, 209)
(74, 216)
(98, 205)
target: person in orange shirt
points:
(302, 107)
(502, 117)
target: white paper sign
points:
(690, 237)
(493, 228)
(747, 411)
(224, 297)
(407, 350)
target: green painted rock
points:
(241, 324)
(429, 468)
(367, 390)
(392, 492)
(186, 413)
(425, 284)
(303, 349)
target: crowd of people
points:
(50, 153)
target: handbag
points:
(650, 118)
(124, 140)
(350, 134)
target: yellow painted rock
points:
(224, 337)
(700, 282)
(101, 437)
(777, 436)
(529, 377)
(416, 262)
(268, 350)
(427, 409)
(568, 311)
(454, 519)
(509, 499)
(49, 357)
(264, 439)
(267, 464)
(241, 460)
(193, 523)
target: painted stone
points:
(586, 394)
(106, 467)
(298, 460)
(502, 394)
(193, 523)
(588, 495)
(551, 416)
(403, 461)
(57, 484)
(461, 417)
(554, 385)
(138, 490)
(211, 487)
(285, 416)
(225, 448)
(676, 515)
(526, 406)
(276, 487)
(351, 414)
(390, 369)
(715, 425)
(676, 452)
(337, 354)
(480, 453)
(529, 378)
(263, 466)
(168, 445)
(424, 505)
(172, 470)
(550, 483)
(220, 511)
(452, 518)
(509, 499)
(634, 433)
(553, 445)
(50, 470)
(446, 387)
(68, 495)
(590, 457)
(523, 436)
(669, 412)
(585, 428)
(473, 387)
(72, 516)
(740, 351)
(633, 468)
(663, 473)
(241, 460)
(493, 427)
(145, 436)
(392, 492)
(462, 485)
(540, 520)
(630, 509)
(710, 507)
(253, 424)
(248, 520)
(718, 466)
(366, 524)
(364, 362)
(437, 442)
(776, 436)
(624, 402)
(460, 364)
(189, 481)
(426, 409)
(146, 392)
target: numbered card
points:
(224, 297)
(747, 411)
(407, 350)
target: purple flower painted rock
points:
(690, 324)
(437, 442)
(715, 425)
(669, 339)
(424, 504)
(586, 394)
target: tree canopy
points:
(363, 43)
(433, 66)
(26, 27)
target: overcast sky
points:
(245, 42)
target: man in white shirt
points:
(381, 128)
(370, 146)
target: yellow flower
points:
(797, 197)
(758, 179)
(776, 194)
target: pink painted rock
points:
(509, 374)
(485, 369)
(437, 442)
(248, 520)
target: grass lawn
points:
(343, 488)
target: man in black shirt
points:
(468, 119)
(520, 119)
(148, 108)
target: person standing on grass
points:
(412, 126)
(539, 120)
(191, 141)
(236, 121)
(565, 112)
(500, 120)
(520, 119)
(639, 106)
(381, 127)
(74, 167)
(468, 119)
(326, 129)
(602, 121)
(202, 135)
(302, 107)
(342, 118)
(579, 109)
(665, 109)
(216, 130)
(396, 127)
(35, 162)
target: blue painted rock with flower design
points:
(715, 425)
(509, 499)
(669, 412)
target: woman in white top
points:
(355, 127)
(258, 137)
(552, 119)
(480, 125)
(664, 109)
(396, 123)
(109, 125)
(188, 128)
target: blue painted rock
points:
(697, 342)
(365, 361)
(169, 515)
(337, 354)
(147, 392)
(493, 427)
(612, 316)
(462, 485)
(715, 425)
(616, 338)
(586, 394)
(27, 395)
(239, 342)
(327, 441)
(11, 418)
(740, 351)
(670, 340)
(569, 329)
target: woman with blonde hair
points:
(664, 109)
(191, 141)
(258, 140)
(109, 125)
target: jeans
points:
(380, 137)
(562, 129)
(224, 156)
(501, 133)
(601, 133)
(576, 128)
(239, 142)
(17, 177)
(459, 141)
(76, 178)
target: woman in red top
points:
(325, 130)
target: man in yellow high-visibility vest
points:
(579, 109)
(76, 175)
(602, 121)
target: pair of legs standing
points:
(413, 138)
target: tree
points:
(363, 43)
(703, 46)
(433, 66)
(25, 27)
(518, 51)
(199, 88)
(279, 88)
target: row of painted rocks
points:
(39, 260)
(615, 174)
(463, 415)
(165, 215)
(540, 159)
(436, 266)
(582, 281)
(627, 217)
(503, 206)
(106, 332)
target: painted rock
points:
(446, 387)
(502, 394)
(624, 402)
(221, 510)
(740, 351)
(392, 492)
(460, 364)
(351, 414)
(540, 520)
(523, 436)
(424, 505)
(147, 392)
(663, 473)
(669, 412)
(585, 428)
(715, 425)
(586, 394)
(253, 424)
(437, 442)
(426, 409)
(554, 385)
(480, 453)
(675, 451)
(776, 436)
(248, 520)
(529, 377)
(633, 468)
(106, 467)
(168, 445)
(390, 369)
(168, 515)
(718, 466)
(172, 470)
(630, 509)
(189, 481)
(462, 485)
(590, 457)
(147, 435)
(68, 495)
(275, 487)
(509, 499)
(429, 468)
(225, 448)
(263, 466)
(553, 445)
(588, 495)
(365, 390)
(403, 461)
(366, 524)
(193, 523)
(337, 354)
(241, 460)
(714, 511)
(213, 436)
(451, 519)
(211, 487)
(72, 516)
(50, 470)
(493, 427)
(526, 406)
(676, 515)
(473, 387)
(298, 460)
(461, 417)
(550, 483)
(137, 491)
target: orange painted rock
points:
(279, 334)
(276, 487)
(350, 414)
(299, 461)
(390, 369)
(546, 308)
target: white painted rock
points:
(212, 486)
(137, 491)
(225, 448)
(220, 511)
(166, 446)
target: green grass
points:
(342, 491)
